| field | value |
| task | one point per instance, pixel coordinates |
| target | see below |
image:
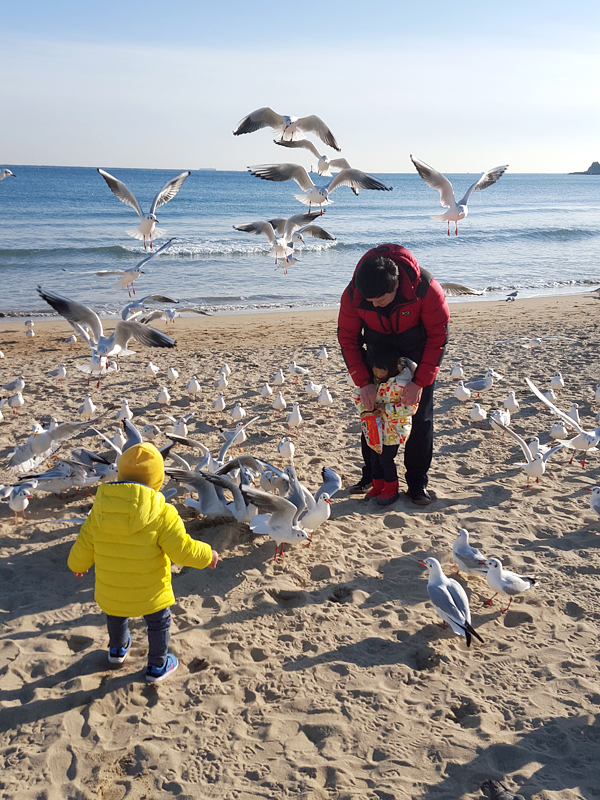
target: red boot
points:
(377, 488)
(389, 494)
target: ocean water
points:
(538, 234)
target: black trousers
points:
(382, 464)
(418, 450)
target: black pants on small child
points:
(158, 634)
(383, 465)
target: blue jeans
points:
(158, 634)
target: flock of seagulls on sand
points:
(279, 506)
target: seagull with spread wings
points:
(290, 128)
(147, 227)
(88, 326)
(284, 233)
(128, 276)
(456, 210)
(324, 164)
(313, 194)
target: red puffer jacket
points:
(416, 321)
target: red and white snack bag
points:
(372, 427)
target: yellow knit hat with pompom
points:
(142, 463)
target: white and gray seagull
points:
(313, 194)
(128, 276)
(456, 210)
(450, 601)
(468, 558)
(147, 227)
(324, 164)
(87, 324)
(290, 128)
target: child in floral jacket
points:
(389, 425)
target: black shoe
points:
(361, 487)
(420, 497)
(387, 501)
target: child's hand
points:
(80, 574)
(215, 558)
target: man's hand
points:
(367, 396)
(411, 394)
(215, 558)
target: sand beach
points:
(324, 676)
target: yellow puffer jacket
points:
(132, 534)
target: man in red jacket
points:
(392, 302)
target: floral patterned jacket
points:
(397, 418)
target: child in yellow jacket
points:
(389, 425)
(131, 535)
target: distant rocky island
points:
(594, 169)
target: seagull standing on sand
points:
(163, 397)
(290, 128)
(286, 449)
(87, 407)
(573, 412)
(313, 389)
(14, 386)
(456, 210)
(462, 394)
(325, 399)
(294, 418)
(221, 383)
(193, 387)
(468, 558)
(298, 371)
(279, 403)
(457, 373)
(449, 601)
(322, 355)
(219, 403)
(172, 375)
(265, 390)
(557, 383)
(558, 431)
(313, 194)
(125, 412)
(503, 581)
(511, 404)
(595, 499)
(238, 413)
(152, 370)
(60, 373)
(478, 414)
(483, 384)
(278, 378)
(147, 226)
(19, 498)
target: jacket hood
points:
(127, 507)
(142, 463)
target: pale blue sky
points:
(146, 84)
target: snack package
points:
(372, 427)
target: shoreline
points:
(458, 307)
